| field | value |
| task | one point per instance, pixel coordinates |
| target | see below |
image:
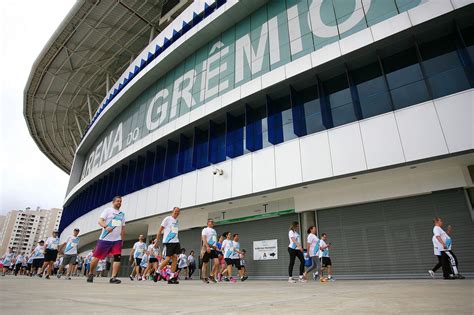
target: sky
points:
(28, 177)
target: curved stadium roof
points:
(89, 51)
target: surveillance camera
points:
(214, 171)
(221, 172)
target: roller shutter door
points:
(393, 238)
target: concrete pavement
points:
(23, 295)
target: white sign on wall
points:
(265, 250)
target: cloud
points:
(28, 178)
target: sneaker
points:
(40, 275)
(431, 272)
(233, 280)
(205, 280)
(173, 281)
(58, 275)
(47, 277)
(301, 279)
(90, 278)
(131, 278)
(315, 276)
(291, 280)
(244, 278)
(331, 279)
(115, 281)
(227, 279)
(211, 278)
(450, 277)
(459, 276)
(69, 278)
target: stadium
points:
(354, 116)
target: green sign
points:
(274, 35)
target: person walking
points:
(313, 252)
(51, 253)
(192, 264)
(209, 251)
(69, 249)
(170, 228)
(136, 256)
(295, 251)
(110, 242)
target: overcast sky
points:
(28, 178)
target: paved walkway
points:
(24, 295)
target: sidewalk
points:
(24, 295)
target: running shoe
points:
(233, 280)
(432, 274)
(291, 280)
(47, 277)
(450, 277)
(244, 278)
(301, 279)
(131, 278)
(40, 275)
(90, 278)
(211, 278)
(227, 279)
(58, 275)
(155, 277)
(459, 276)
(173, 281)
(331, 279)
(205, 280)
(315, 276)
(115, 281)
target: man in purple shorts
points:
(112, 221)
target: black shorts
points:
(138, 261)
(29, 266)
(38, 263)
(208, 256)
(172, 249)
(233, 262)
(152, 260)
(50, 255)
(326, 261)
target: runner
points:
(238, 257)
(243, 265)
(153, 256)
(209, 251)
(443, 244)
(295, 250)
(51, 253)
(7, 260)
(87, 262)
(191, 264)
(222, 264)
(38, 258)
(136, 256)
(170, 228)
(228, 249)
(24, 266)
(69, 249)
(313, 252)
(325, 259)
(143, 266)
(19, 263)
(110, 242)
(183, 263)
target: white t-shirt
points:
(115, 219)
(170, 233)
(38, 252)
(52, 243)
(8, 259)
(191, 259)
(437, 231)
(139, 249)
(182, 261)
(296, 236)
(236, 247)
(211, 236)
(153, 252)
(325, 252)
(227, 248)
(313, 242)
(71, 245)
(144, 262)
(436, 248)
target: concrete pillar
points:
(307, 219)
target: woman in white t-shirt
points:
(296, 251)
(183, 263)
(191, 264)
(313, 253)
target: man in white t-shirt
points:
(7, 260)
(136, 256)
(442, 243)
(110, 242)
(69, 247)
(209, 251)
(170, 228)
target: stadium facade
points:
(356, 116)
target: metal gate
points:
(393, 238)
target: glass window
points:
(405, 79)
(372, 90)
(340, 100)
(444, 71)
